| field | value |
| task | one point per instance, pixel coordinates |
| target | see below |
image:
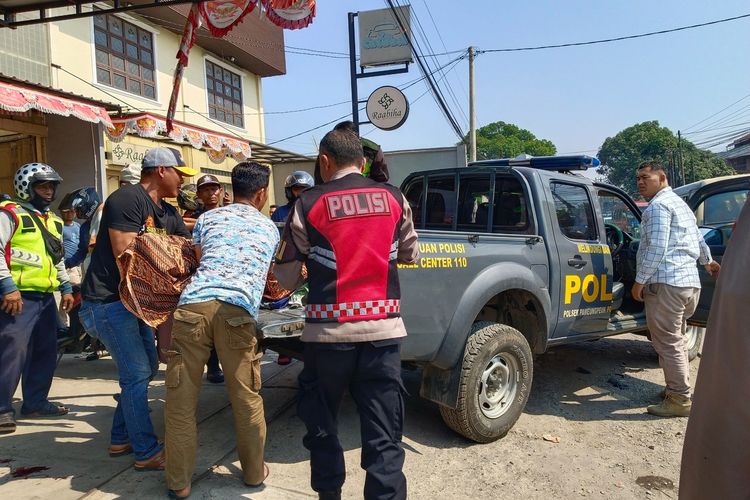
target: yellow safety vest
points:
(26, 256)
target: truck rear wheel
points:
(694, 339)
(496, 375)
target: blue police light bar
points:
(555, 163)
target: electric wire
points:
(720, 111)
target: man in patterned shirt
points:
(217, 309)
(667, 281)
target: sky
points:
(576, 97)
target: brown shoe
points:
(154, 463)
(674, 405)
(120, 450)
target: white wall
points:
(402, 163)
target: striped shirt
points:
(670, 243)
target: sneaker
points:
(674, 405)
(216, 377)
(329, 495)
(283, 360)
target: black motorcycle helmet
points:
(300, 178)
(85, 201)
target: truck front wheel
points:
(496, 375)
(694, 340)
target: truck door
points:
(585, 264)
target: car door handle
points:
(577, 262)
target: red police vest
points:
(353, 228)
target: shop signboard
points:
(387, 108)
(382, 41)
(122, 153)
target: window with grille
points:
(124, 56)
(224, 95)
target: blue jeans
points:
(131, 343)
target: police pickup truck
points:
(516, 256)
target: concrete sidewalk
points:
(70, 453)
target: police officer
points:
(295, 183)
(351, 232)
(31, 269)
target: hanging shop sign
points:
(382, 38)
(387, 108)
(123, 153)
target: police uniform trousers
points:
(372, 373)
(28, 346)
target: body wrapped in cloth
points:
(155, 269)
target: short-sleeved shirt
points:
(129, 209)
(237, 244)
(70, 234)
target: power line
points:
(436, 93)
(617, 39)
(720, 111)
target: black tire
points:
(694, 339)
(491, 349)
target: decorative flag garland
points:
(220, 17)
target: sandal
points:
(120, 450)
(173, 493)
(48, 410)
(150, 464)
(266, 472)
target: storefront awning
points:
(17, 98)
(218, 146)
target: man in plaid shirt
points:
(667, 281)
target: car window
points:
(413, 193)
(721, 208)
(575, 215)
(615, 211)
(440, 202)
(511, 211)
(474, 203)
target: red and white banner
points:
(18, 99)
(220, 17)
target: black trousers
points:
(372, 373)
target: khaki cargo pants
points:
(667, 311)
(231, 331)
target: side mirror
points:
(713, 237)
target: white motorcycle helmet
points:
(30, 174)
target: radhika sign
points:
(381, 39)
(124, 153)
(387, 108)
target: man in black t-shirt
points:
(128, 212)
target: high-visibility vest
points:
(31, 267)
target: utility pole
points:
(679, 157)
(472, 117)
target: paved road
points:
(592, 396)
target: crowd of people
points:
(233, 252)
(212, 319)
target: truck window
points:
(616, 211)
(511, 211)
(721, 208)
(575, 215)
(413, 194)
(474, 203)
(440, 202)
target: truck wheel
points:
(496, 375)
(694, 339)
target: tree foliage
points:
(505, 140)
(620, 156)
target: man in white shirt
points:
(667, 281)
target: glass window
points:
(474, 202)
(616, 212)
(413, 194)
(575, 215)
(224, 90)
(511, 211)
(440, 202)
(120, 47)
(721, 208)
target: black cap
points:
(207, 179)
